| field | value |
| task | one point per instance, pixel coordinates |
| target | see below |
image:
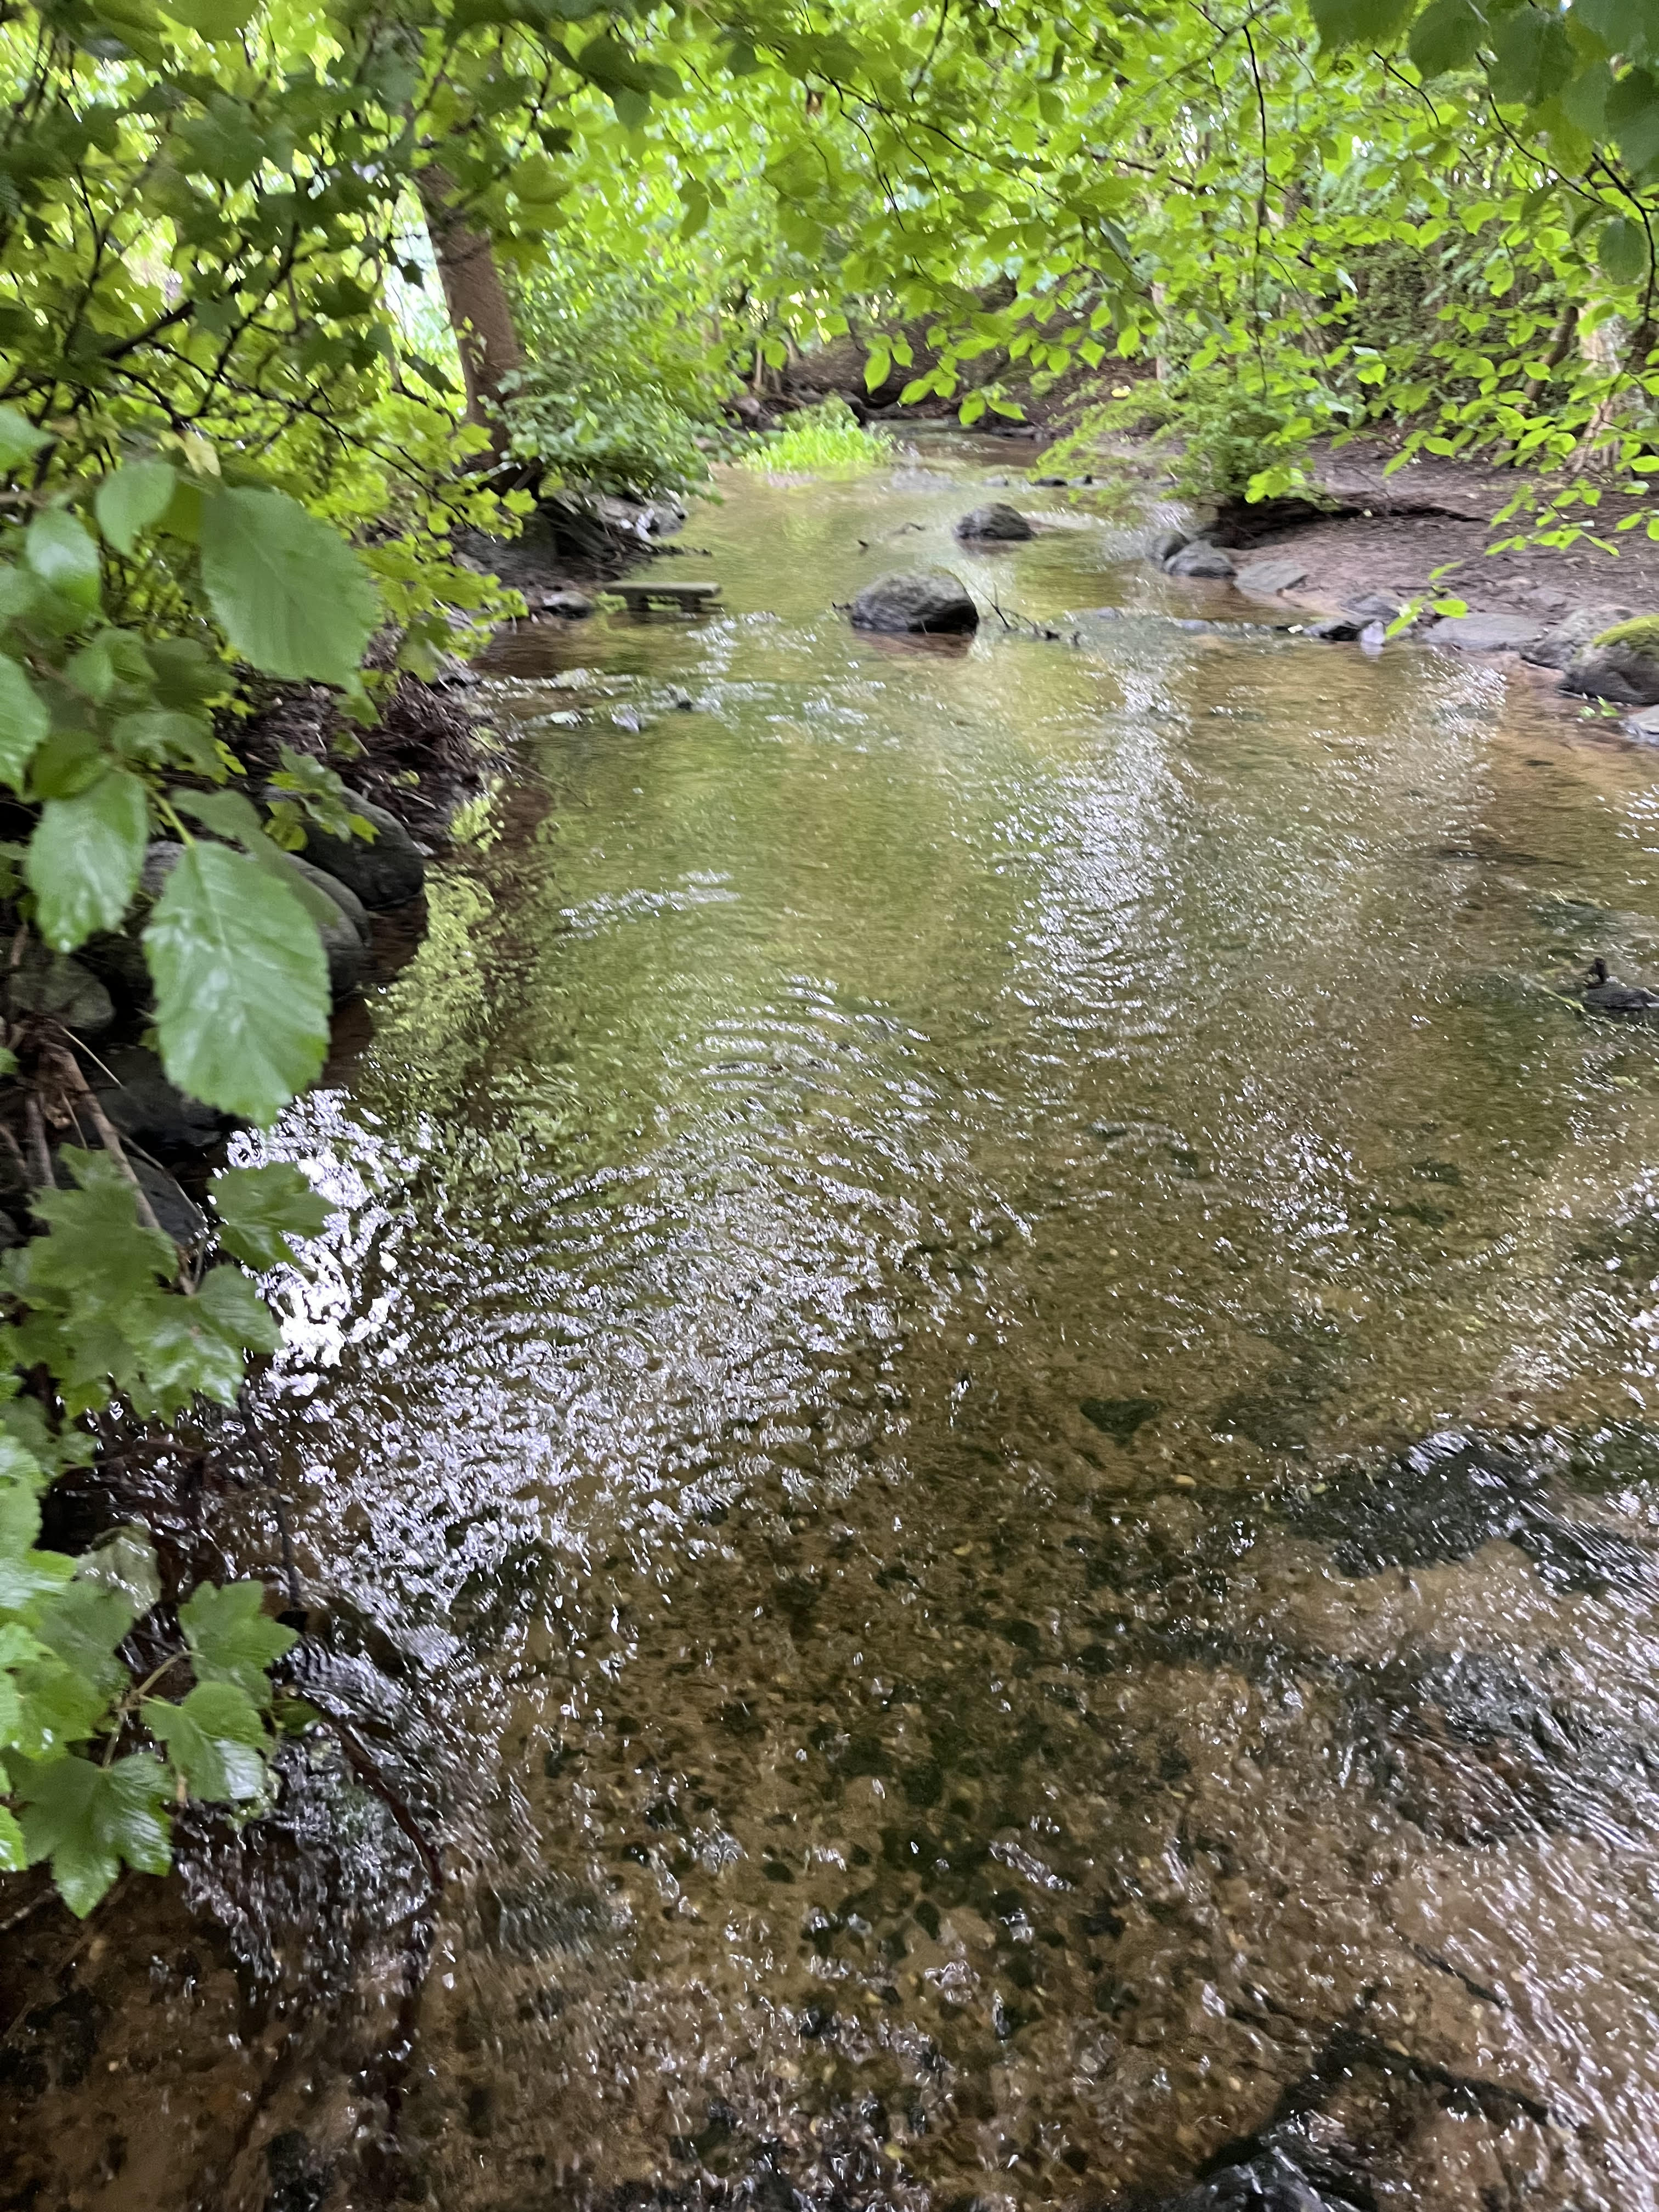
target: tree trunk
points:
(480, 312)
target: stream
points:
(983, 1395)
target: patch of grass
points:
(1643, 634)
(824, 440)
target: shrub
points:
(824, 440)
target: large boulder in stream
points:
(1201, 558)
(998, 521)
(1622, 663)
(386, 870)
(931, 601)
(1569, 637)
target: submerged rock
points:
(1120, 1417)
(1604, 995)
(570, 605)
(1621, 664)
(998, 520)
(1199, 559)
(1282, 573)
(931, 601)
(1569, 637)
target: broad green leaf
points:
(1445, 36)
(1621, 248)
(14, 1852)
(82, 1626)
(128, 504)
(241, 985)
(24, 722)
(288, 592)
(125, 1560)
(231, 1639)
(213, 19)
(1531, 58)
(1358, 23)
(1624, 26)
(1633, 117)
(90, 1819)
(261, 1209)
(25, 1576)
(161, 737)
(233, 814)
(64, 553)
(234, 1308)
(83, 859)
(216, 1739)
(19, 440)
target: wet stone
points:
(1119, 1418)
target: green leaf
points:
(24, 722)
(1532, 56)
(213, 19)
(1621, 248)
(14, 1852)
(1445, 36)
(19, 438)
(82, 1626)
(132, 500)
(25, 1574)
(288, 592)
(216, 1739)
(64, 553)
(125, 1560)
(1358, 23)
(83, 859)
(231, 1639)
(261, 1209)
(90, 1819)
(242, 984)
(1624, 26)
(233, 814)
(1633, 117)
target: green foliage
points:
(241, 985)
(824, 441)
(624, 389)
(68, 1706)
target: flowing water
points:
(988, 1381)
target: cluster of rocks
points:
(102, 997)
(932, 602)
(1606, 652)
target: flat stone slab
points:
(1487, 633)
(1644, 725)
(637, 597)
(1268, 576)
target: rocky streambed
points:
(973, 1446)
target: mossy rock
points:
(1641, 635)
(1621, 664)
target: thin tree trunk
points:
(480, 312)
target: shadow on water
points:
(984, 1387)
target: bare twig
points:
(64, 1061)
